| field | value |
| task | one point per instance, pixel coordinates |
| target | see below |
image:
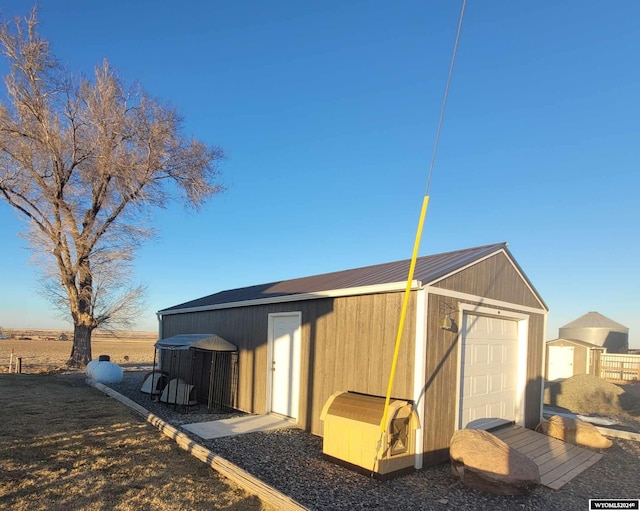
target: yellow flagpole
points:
(405, 306)
(416, 246)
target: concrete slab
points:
(238, 426)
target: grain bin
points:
(352, 433)
(597, 329)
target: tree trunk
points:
(81, 311)
(81, 349)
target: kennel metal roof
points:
(208, 342)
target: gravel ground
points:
(585, 393)
(291, 460)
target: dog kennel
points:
(190, 369)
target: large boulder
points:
(486, 463)
(574, 431)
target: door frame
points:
(523, 342)
(270, 340)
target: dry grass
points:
(41, 355)
(65, 446)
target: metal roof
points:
(206, 342)
(594, 320)
(579, 342)
(428, 269)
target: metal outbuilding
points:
(597, 329)
(569, 357)
(472, 348)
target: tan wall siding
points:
(354, 347)
(347, 344)
(535, 370)
(494, 278)
(440, 386)
(442, 377)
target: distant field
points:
(39, 355)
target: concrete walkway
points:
(238, 426)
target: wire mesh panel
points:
(210, 377)
(223, 383)
(178, 368)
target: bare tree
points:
(84, 161)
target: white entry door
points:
(560, 362)
(283, 369)
(489, 370)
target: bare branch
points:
(84, 161)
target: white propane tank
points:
(90, 367)
(105, 371)
(94, 363)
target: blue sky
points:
(327, 112)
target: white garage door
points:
(489, 371)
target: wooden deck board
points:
(509, 432)
(519, 441)
(557, 453)
(524, 441)
(557, 461)
(568, 457)
(535, 448)
(560, 471)
(539, 454)
(562, 480)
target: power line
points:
(446, 95)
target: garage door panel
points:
(468, 358)
(477, 325)
(466, 385)
(511, 351)
(494, 410)
(480, 385)
(497, 383)
(481, 355)
(496, 328)
(497, 354)
(490, 368)
(477, 412)
(510, 385)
